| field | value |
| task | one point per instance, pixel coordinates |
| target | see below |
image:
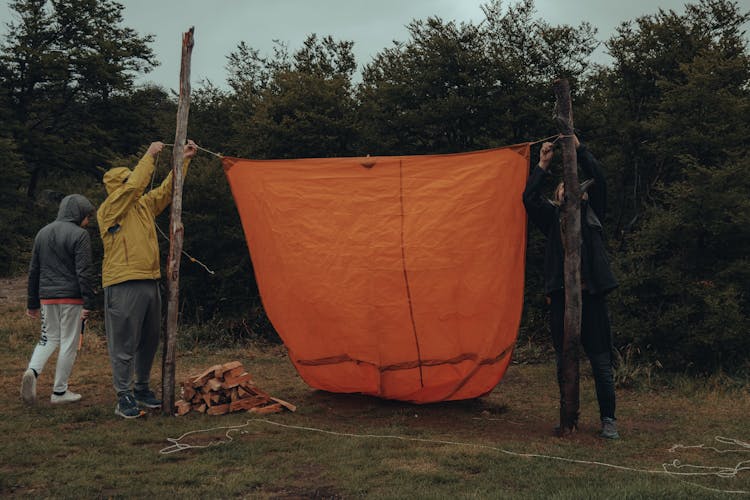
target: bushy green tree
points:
(298, 105)
(457, 87)
(684, 267)
(650, 55)
(686, 275)
(66, 66)
(429, 94)
(18, 217)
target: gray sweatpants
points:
(132, 319)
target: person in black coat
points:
(596, 275)
(61, 292)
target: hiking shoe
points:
(28, 387)
(127, 407)
(66, 397)
(609, 429)
(147, 399)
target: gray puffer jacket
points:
(61, 266)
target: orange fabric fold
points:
(399, 277)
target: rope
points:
(190, 257)
(557, 137)
(744, 447)
(218, 155)
(722, 472)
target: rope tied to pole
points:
(161, 232)
(557, 137)
(218, 155)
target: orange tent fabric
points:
(399, 277)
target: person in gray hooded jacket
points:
(61, 291)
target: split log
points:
(288, 406)
(183, 407)
(264, 410)
(218, 409)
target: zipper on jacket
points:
(125, 245)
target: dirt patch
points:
(13, 290)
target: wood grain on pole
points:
(570, 227)
(176, 229)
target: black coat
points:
(596, 273)
(61, 266)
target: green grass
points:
(83, 450)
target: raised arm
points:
(158, 199)
(121, 199)
(540, 211)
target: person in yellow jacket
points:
(130, 274)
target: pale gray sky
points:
(372, 25)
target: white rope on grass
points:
(722, 472)
(695, 470)
(743, 447)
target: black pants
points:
(596, 338)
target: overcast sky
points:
(372, 25)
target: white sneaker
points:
(68, 397)
(28, 387)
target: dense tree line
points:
(667, 118)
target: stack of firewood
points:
(226, 388)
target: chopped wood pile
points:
(226, 388)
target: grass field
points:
(341, 446)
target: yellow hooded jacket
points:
(126, 222)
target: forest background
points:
(667, 118)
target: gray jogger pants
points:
(132, 319)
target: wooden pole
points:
(570, 226)
(176, 229)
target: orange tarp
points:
(403, 280)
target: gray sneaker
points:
(28, 387)
(66, 397)
(609, 429)
(127, 407)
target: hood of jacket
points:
(115, 177)
(74, 208)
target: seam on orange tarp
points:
(484, 362)
(491, 361)
(330, 360)
(429, 362)
(406, 365)
(406, 274)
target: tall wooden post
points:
(570, 226)
(176, 229)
